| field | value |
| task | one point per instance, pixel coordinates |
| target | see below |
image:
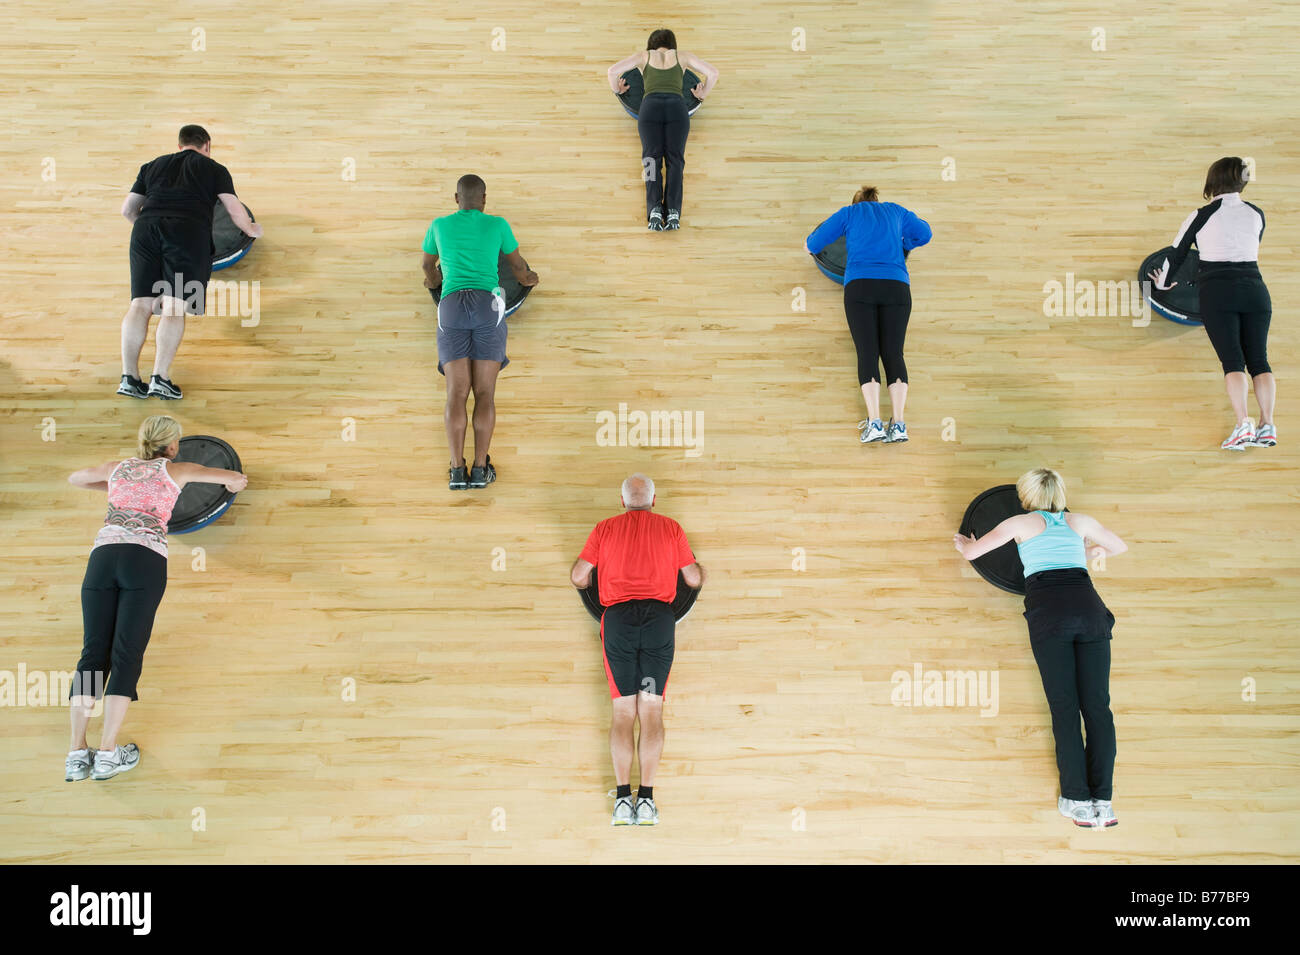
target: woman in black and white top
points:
(1235, 304)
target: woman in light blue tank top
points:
(1069, 632)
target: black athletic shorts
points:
(171, 256)
(638, 641)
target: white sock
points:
(108, 752)
(78, 752)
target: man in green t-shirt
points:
(462, 253)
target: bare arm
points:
(580, 573)
(186, 472)
(132, 205)
(616, 81)
(522, 273)
(239, 217)
(700, 68)
(432, 271)
(1010, 529)
(1091, 530)
(693, 574)
(93, 479)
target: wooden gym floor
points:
(478, 730)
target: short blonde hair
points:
(156, 433)
(1041, 489)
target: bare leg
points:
(650, 746)
(621, 743)
(135, 329)
(1237, 385)
(1266, 395)
(454, 417)
(114, 714)
(485, 407)
(871, 393)
(171, 329)
(898, 398)
(80, 708)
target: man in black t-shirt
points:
(171, 207)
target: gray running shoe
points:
(162, 388)
(897, 432)
(458, 478)
(1105, 813)
(108, 765)
(1079, 811)
(624, 814)
(674, 220)
(482, 476)
(873, 430)
(655, 223)
(646, 813)
(78, 765)
(133, 387)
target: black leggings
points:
(123, 586)
(1236, 310)
(664, 124)
(1070, 633)
(878, 310)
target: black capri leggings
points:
(664, 123)
(878, 310)
(123, 586)
(1236, 310)
(1070, 633)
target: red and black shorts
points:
(638, 639)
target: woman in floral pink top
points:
(124, 583)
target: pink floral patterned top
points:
(141, 495)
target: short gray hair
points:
(638, 491)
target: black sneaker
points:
(482, 476)
(458, 478)
(674, 220)
(132, 387)
(656, 221)
(162, 388)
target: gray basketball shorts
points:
(471, 324)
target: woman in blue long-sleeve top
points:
(877, 297)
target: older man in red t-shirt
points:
(638, 553)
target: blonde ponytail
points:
(156, 434)
(1041, 489)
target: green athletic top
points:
(469, 243)
(656, 80)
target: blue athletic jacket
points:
(878, 233)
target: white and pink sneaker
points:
(1242, 437)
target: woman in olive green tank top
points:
(663, 121)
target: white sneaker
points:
(1105, 813)
(1242, 437)
(1265, 436)
(109, 763)
(897, 432)
(873, 429)
(646, 813)
(624, 814)
(78, 765)
(1079, 811)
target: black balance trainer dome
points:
(229, 242)
(833, 259)
(631, 100)
(682, 603)
(1001, 567)
(1182, 302)
(201, 504)
(513, 293)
